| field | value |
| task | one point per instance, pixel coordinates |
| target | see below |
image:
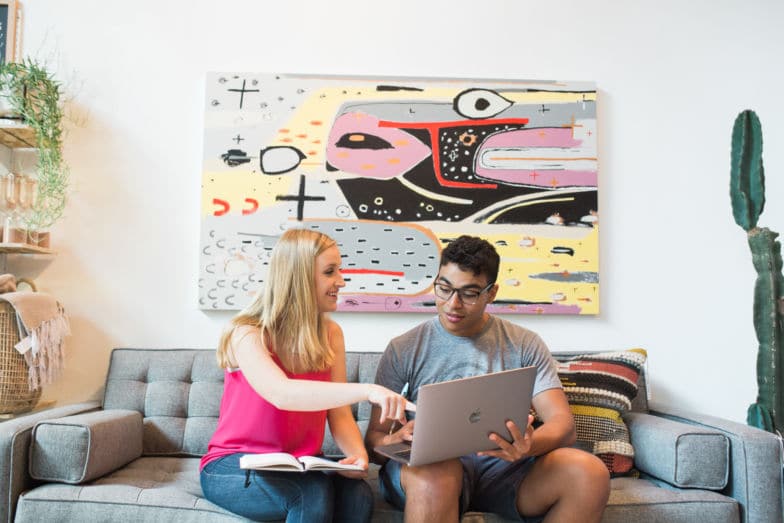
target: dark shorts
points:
(489, 485)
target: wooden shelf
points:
(23, 248)
(15, 134)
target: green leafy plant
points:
(747, 191)
(34, 95)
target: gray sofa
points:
(136, 456)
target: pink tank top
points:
(249, 424)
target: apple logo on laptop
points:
(475, 416)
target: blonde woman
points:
(285, 375)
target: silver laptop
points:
(455, 418)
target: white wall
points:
(676, 271)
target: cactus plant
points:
(747, 191)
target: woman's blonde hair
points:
(286, 312)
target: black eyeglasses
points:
(467, 296)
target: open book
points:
(286, 462)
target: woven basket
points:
(15, 396)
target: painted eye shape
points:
(480, 103)
(363, 141)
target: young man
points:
(533, 475)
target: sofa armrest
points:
(756, 476)
(81, 448)
(14, 446)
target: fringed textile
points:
(43, 326)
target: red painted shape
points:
(222, 203)
(371, 271)
(254, 206)
(433, 128)
(451, 123)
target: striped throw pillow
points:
(600, 387)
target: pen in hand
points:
(403, 393)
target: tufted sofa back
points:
(178, 392)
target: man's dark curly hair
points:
(474, 254)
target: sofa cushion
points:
(600, 387)
(642, 501)
(86, 446)
(147, 489)
(680, 454)
(167, 489)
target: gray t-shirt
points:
(428, 353)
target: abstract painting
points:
(394, 168)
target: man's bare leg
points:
(567, 484)
(433, 491)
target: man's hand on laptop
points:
(404, 433)
(512, 450)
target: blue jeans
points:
(297, 497)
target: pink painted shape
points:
(541, 178)
(543, 137)
(377, 303)
(386, 163)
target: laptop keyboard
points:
(404, 454)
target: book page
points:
(315, 463)
(271, 461)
